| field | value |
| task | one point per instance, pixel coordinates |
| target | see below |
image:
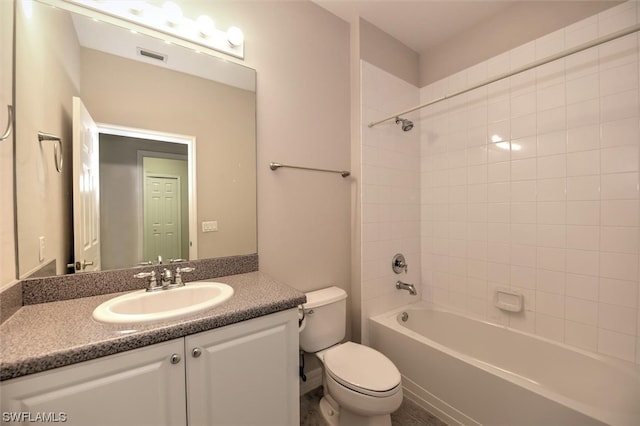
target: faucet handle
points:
(179, 271)
(153, 283)
(399, 264)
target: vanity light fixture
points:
(168, 19)
(205, 26)
(172, 14)
(137, 8)
(235, 36)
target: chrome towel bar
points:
(276, 166)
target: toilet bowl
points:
(362, 387)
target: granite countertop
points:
(49, 335)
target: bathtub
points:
(471, 372)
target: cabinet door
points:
(139, 387)
(245, 373)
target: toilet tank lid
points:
(324, 297)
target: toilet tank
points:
(325, 319)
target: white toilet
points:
(362, 387)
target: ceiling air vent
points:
(153, 55)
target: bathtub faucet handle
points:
(399, 264)
(409, 287)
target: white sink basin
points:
(144, 307)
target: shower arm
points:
(601, 40)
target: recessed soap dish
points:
(508, 300)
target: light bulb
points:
(173, 13)
(205, 25)
(137, 8)
(235, 36)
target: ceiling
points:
(418, 24)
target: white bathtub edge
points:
(435, 405)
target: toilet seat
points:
(362, 369)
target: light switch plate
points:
(210, 226)
(41, 246)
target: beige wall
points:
(47, 79)
(382, 50)
(516, 25)
(220, 117)
(7, 254)
(301, 54)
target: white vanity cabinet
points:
(242, 374)
(138, 387)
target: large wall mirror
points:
(163, 168)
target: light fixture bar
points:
(166, 22)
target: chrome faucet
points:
(404, 286)
(168, 279)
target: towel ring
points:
(57, 148)
(9, 124)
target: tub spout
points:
(404, 286)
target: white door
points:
(144, 386)
(162, 219)
(86, 190)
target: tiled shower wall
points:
(390, 193)
(530, 183)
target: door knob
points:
(79, 266)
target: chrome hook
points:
(57, 147)
(9, 124)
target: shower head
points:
(406, 124)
